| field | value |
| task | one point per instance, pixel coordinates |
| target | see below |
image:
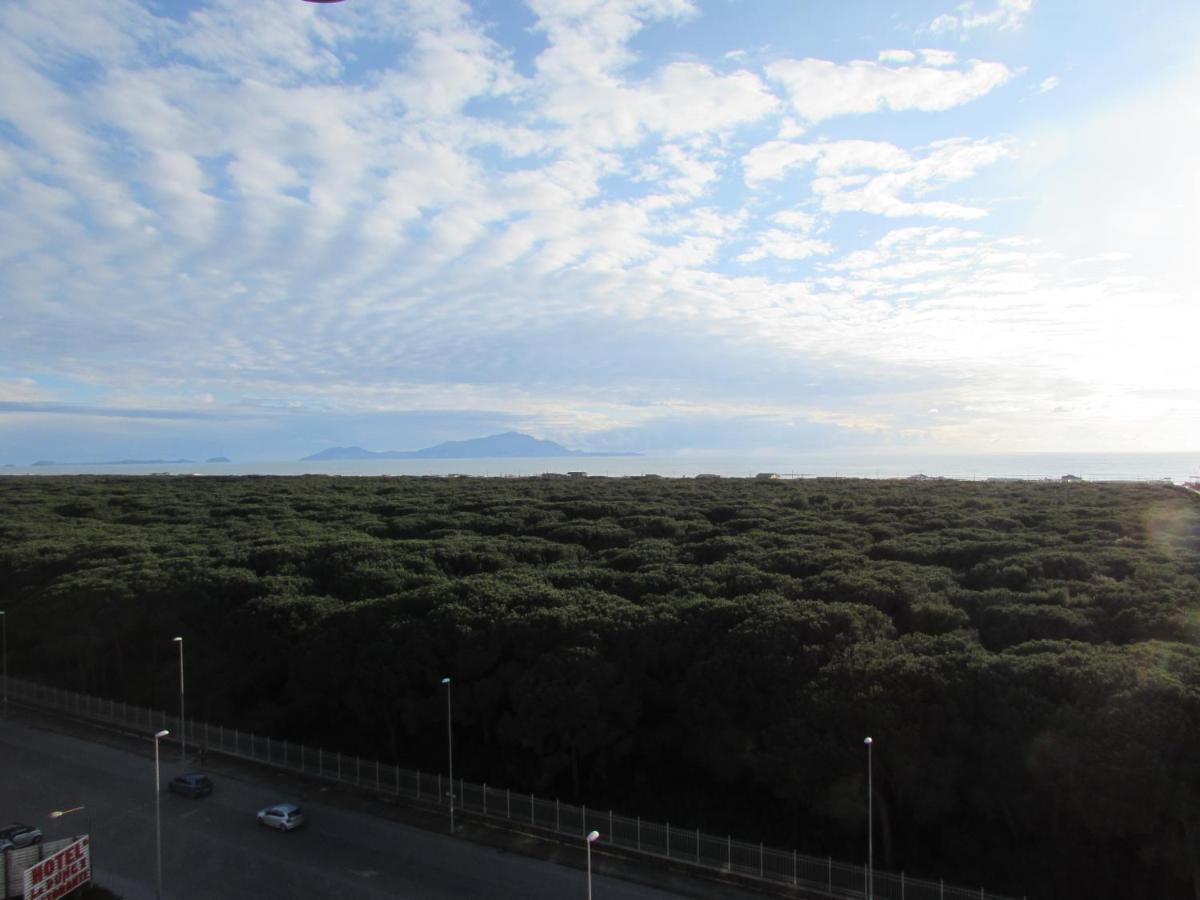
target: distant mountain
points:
(499, 446)
(218, 459)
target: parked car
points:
(284, 816)
(191, 784)
(16, 835)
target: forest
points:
(710, 652)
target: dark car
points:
(192, 784)
(16, 835)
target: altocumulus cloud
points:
(525, 215)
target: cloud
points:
(878, 177)
(531, 221)
(1048, 84)
(781, 244)
(1006, 15)
(820, 89)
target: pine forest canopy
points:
(710, 652)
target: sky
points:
(706, 227)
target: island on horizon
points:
(511, 444)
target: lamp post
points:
(870, 826)
(4, 624)
(59, 813)
(158, 818)
(182, 720)
(450, 749)
(591, 838)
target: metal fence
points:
(820, 875)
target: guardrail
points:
(821, 876)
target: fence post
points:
(760, 859)
(639, 833)
(668, 840)
(941, 889)
(793, 867)
(901, 886)
(610, 828)
(729, 850)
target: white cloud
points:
(796, 220)
(878, 177)
(1048, 84)
(939, 57)
(379, 206)
(772, 159)
(784, 245)
(820, 89)
(1006, 15)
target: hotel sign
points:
(56, 876)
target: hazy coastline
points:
(1177, 467)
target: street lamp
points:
(450, 749)
(591, 838)
(182, 720)
(158, 818)
(870, 827)
(59, 813)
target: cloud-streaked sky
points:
(261, 229)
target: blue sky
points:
(675, 226)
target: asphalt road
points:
(212, 847)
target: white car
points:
(283, 816)
(17, 835)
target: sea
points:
(1173, 467)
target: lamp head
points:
(868, 741)
(161, 734)
(446, 680)
(594, 836)
(177, 640)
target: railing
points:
(816, 875)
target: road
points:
(212, 847)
